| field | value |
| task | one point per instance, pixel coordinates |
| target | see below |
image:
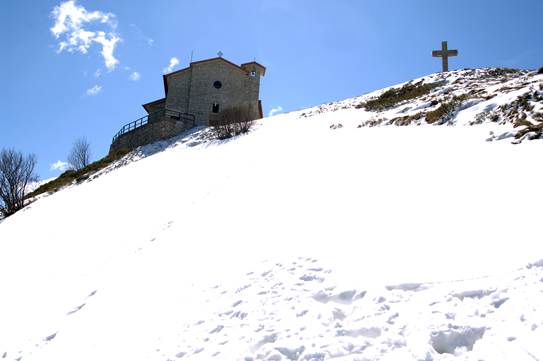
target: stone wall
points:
(151, 132)
(252, 88)
(203, 94)
(156, 106)
(179, 91)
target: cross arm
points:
(440, 53)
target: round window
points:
(217, 84)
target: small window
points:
(215, 108)
(253, 72)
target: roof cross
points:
(444, 55)
(219, 53)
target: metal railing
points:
(188, 119)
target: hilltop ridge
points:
(502, 96)
(511, 100)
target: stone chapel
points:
(194, 96)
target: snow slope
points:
(293, 242)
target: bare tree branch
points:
(16, 173)
(80, 154)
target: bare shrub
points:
(232, 121)
(16, 173)
(223, 128)
(80, 154)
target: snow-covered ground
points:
(293, 242)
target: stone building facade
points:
(201, 91)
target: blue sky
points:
(54, 91)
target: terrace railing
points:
(188, 119)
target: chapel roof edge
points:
(151, 103)
(239, 67)
(219, 58)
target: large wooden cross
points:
(444, 55)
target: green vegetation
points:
(517, 113)
(530, 127)
(406, 120)
(522, 122)
(503, 71)
(523, 102)
(393, 96)
(448, 107)
(538, 116)
(373, 122)
(481, 117)
(69, 176)
(537, 129)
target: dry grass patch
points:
(80, 175)
(393, 96)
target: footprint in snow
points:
(50, 337)
(76, 309)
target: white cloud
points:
(71, 19)
(97, 73)
(173, 62)
(135, 76)
(141, 37)
(107, 49)
(273, 111)
(60, 165)
(95, 90)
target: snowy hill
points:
(302, 240)
(463, 97)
